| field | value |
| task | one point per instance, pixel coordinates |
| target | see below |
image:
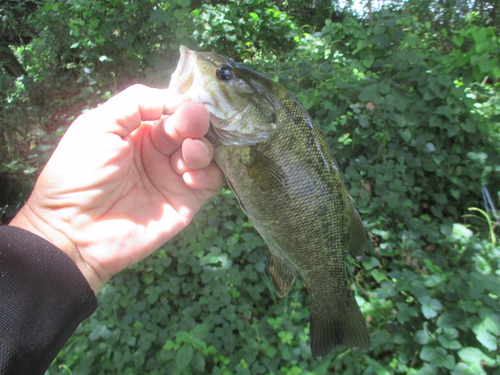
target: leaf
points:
(405, 134)
(479, 34)
(429, 147)
(453, 130)
(169, 345)
(475, 356)
(181, 14)
(437, 356)
(377, 275)
(184, 356)
(377, 367)
(427, 353)
(488, 340)
(495, 73)
(369, 94)
(467, 369)
(487, 65)
(492, 324)
(367, 62)
(430, 306)
(449, 344)
(458, 40)
(198, 344)
(182, 336)
(370, 262)
(421, 337)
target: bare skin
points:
(118, 185)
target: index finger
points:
(127, 110)
(190, 121)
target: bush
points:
(414, 128)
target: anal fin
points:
(282, 274)
(356, 243)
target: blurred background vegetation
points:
(408, 95)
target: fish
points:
(284, 176)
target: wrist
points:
(32, 219)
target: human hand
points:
(117, 188)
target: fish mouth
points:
(182, 78)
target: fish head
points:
(240, 101)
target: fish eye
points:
(224, 73)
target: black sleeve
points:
(43, 299)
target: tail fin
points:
(328, 332)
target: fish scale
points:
(288, 183)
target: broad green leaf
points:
(481, 46)
(370, 262)
(429, 147)
(487, 339)
(368, 61)
(479, 34)
(183, 336)
(437, 356)
(198, 344)
(428, 311)
(450, 333)
(430, 306)
(468, 369)
(405, 134)
(460, 231)
(422, 337)
(475, 356)
(427, 353)
(449, 344)
(184, 356)
(377, 275)
(492, 324)
(487, 65)
(369, 94)
(169, 345)
(495, 72)
(376, 367)
(453, 130)
(458, 40)
(181, 14)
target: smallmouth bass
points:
(286, 180)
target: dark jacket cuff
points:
(43, 299)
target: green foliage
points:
(414, 124)
(476, 50)
(236, 29)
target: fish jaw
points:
(182, 78)
(194, 80)
(234, 121)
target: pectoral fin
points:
(263, 170)
(282, 274)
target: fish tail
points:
(330, 331)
